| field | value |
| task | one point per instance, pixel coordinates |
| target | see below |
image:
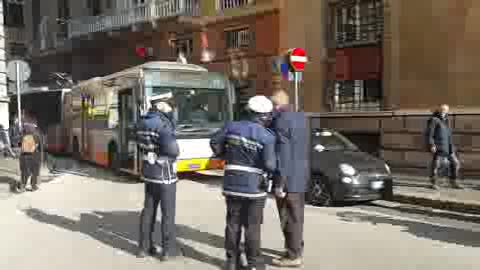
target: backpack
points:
(28, 144)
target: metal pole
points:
(295, 75)
(19, 107)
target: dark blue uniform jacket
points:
(248, 149)
(155, 134)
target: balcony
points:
(15, 35)
(230, 4)
(124, 18)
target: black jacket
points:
(439, 134)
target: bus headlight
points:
(347, 169)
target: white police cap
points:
(260, 104)
(163, 107)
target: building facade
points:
(375, 69)
(12, 46)
(94, 38)
(392, 68)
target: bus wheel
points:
(113, 158)
(76, 148)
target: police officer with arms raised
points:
(157, 142)
(248, 149)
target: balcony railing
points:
(15, 35)
(128, 17)
(228, 4)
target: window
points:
(17, 50)
(14, 13)
(197, 107)
(36, 18)
(226, 4)
(138, 2)
(357, 95)
(359, 22)
(63, 16)
(184, 45)
(94, 7)
(238, 38)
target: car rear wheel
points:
(319, 192)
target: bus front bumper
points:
(200, 164)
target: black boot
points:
(258, 267)
(434, 185)
(454, 184)
(141, 253)
(231, 264)
(169, 254)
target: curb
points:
(451, 205)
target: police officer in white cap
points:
(248, 149)
(157, 142)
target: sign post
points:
(296, 75)
(297, 58)
(19, 104)
(18, 71)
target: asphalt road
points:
(90, 221)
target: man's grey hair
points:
(163, 106)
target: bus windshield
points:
(197, 108)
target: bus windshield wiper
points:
(185, 126)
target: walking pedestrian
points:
(31, 150)
(291, 177)
(158, 144)
(248, 149)
(440, 144)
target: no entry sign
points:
(297, 58)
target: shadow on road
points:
(210, 181)
(10, 181)
(120, 230)
(419, 229)
(67, 165)
(421, 211)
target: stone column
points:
(4, 100)
(391, 54)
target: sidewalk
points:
(10, 172)
(416, 190)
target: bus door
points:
(127, 119)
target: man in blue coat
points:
(440, 144)
(159, 149)
(248, 149)
(291, 176)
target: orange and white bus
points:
(100, 113)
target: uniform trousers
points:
(244, 213)
(165, 196)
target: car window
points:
(333, 141)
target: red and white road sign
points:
(297, 58)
